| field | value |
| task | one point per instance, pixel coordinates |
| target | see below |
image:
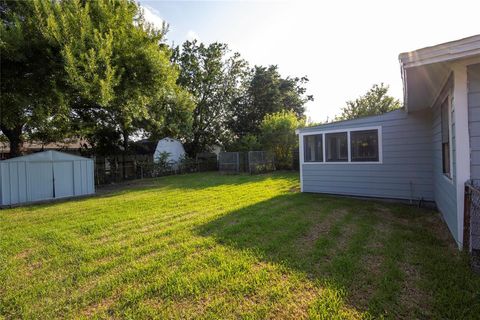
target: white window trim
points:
(449, 99)
(349, 162)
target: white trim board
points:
(462, 140)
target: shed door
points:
(63, 179)
(41, 180)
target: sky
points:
(343, 47)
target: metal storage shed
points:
(44, 176)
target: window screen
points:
(445, 138)
(336, 147)
(364, 145)
(313, 148)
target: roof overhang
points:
(424, 71)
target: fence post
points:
(238, 161)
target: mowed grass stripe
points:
(206, 246)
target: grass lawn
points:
(212, 246)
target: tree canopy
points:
(267, 92)
(32, 86)
(278, 135)
(95, 69)
(213, 75)
(375, 101)
(119, 73)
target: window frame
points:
(377, 156)
(327, 145)
(448, 99)
(315, 141)
(348, 131)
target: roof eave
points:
(445, 52)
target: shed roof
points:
(50, 155)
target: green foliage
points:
(119, 73)
(246, 143)
(375, 101)
(32, 87)
(278, 135)
(212, 74)
(162, 161)
(267, 92)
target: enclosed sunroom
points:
(426, 151)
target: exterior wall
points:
(444, 188)
(473, 74)
(406, 169)
(44, 176)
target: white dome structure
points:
(173, 147)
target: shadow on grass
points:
(378, 259)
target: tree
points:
(213, 75)
(31, 100)
(278, 136)
(118, 70)
(245, 143)
(375, 101)
(267, 92)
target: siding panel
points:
(473, 74)
(406, 171)
(444, 188)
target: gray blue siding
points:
(406, 171)
(444, 188)
(473, 76)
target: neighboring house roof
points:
(33, 146)
(424, 71)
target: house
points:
(426, 151)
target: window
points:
(364, 145)
(445, 118)
(313, 148)
(336, 147)
(359, 145)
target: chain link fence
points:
(260, 162)
(111, 170)
(471, 234)
(251, 162)
(231, 162)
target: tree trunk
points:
(125, 147)
(14, 136)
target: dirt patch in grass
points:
(98, 308)
(346, 233)
(435, 224)
(412, 298)
(24, 254)
(387, 217)
(320, 229)
(295, 189)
